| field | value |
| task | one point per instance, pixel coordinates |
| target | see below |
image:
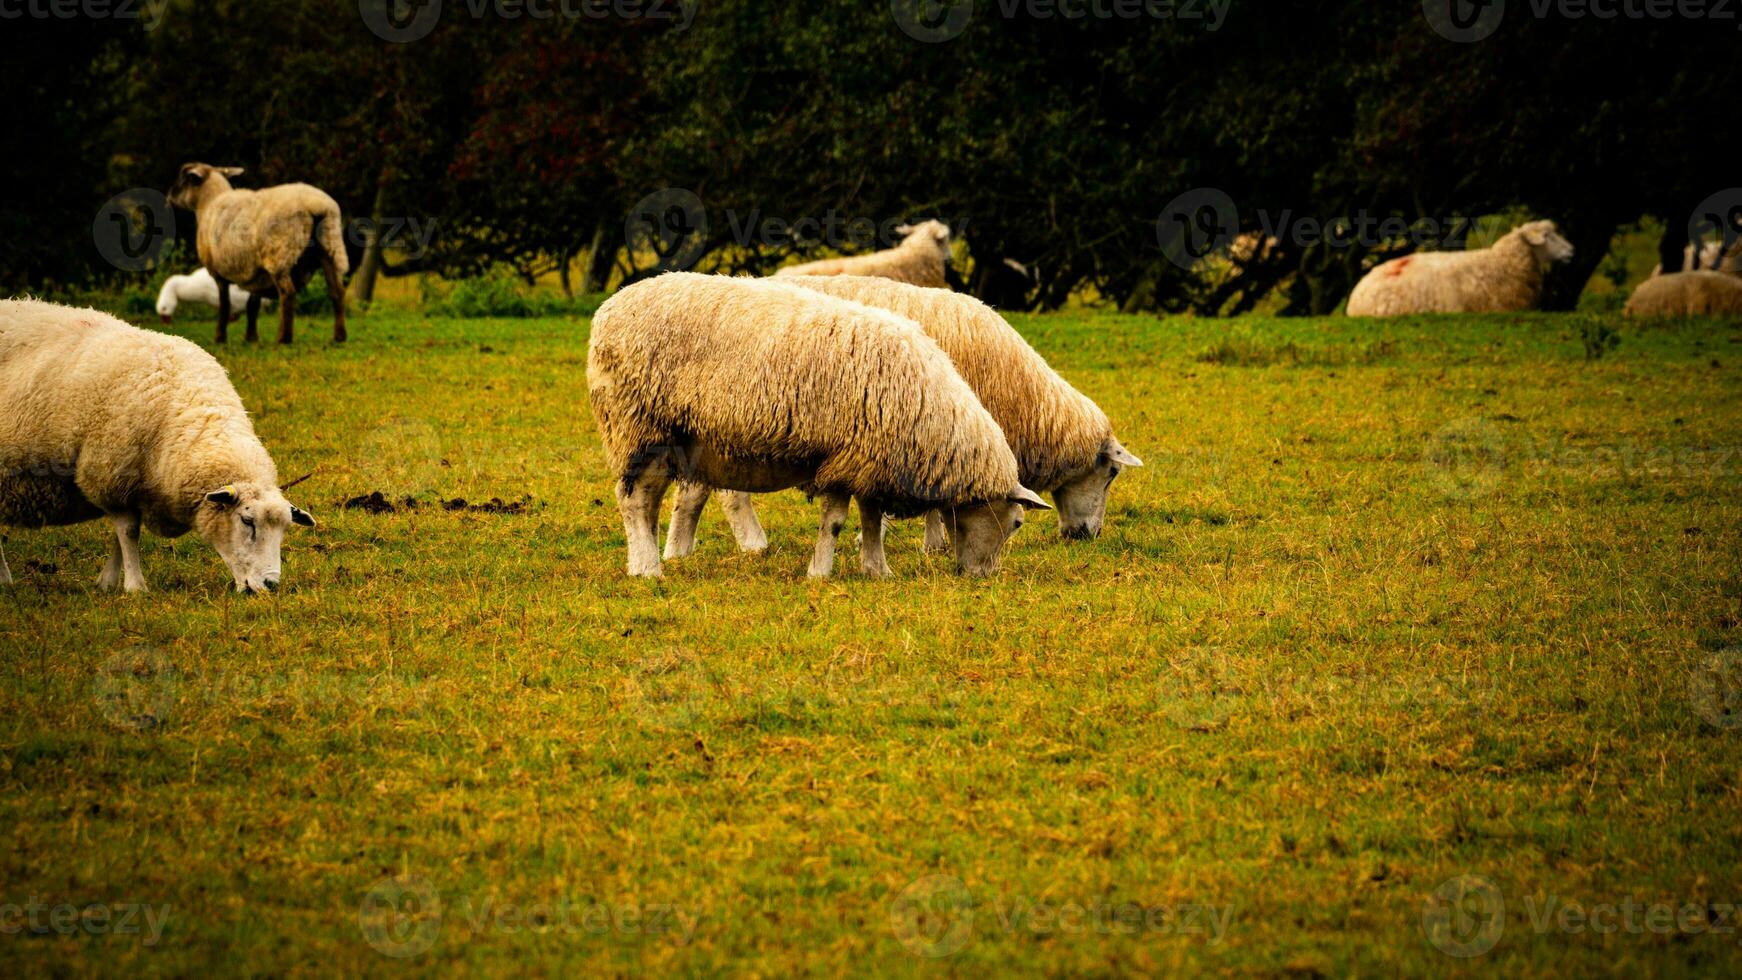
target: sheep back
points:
(1700, 293)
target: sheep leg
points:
(742, 516)
(110, 580)
(5, 573)
(937, 538)
(686, 513)
(834, 519)
(223, 309)
(253, 335)
(335, 289)
(127, 538)
(639, 505)
(286, 309)
(871, 527)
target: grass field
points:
(1412, 648)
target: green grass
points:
(1391, 603)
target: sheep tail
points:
(330, 233)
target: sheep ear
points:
(231, 171)
(224, 496)
(1028, 499)
(904, 229)
(1121, 456)
(300, 516)
(941, 232)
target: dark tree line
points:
(1054, 144)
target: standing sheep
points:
(920, 259)
(195, 287)
(1702, 293)
(1063, 442)
(106, 420)
(1504, 278)
(269, 242)
(759, 386)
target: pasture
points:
(1414, 646)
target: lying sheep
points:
(195, 287)
(1063, 442)
(920, 259)
(757, 385)
(106, 420)
(1503, 278)
(269, 242)
(1702, 293)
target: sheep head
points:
(1545, 240)
(979, 531)
(195, 181)
(1082, 499)
(245, 524)
(934, 234)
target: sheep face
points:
(978, 532)
(933, 233)
(1546, 241)
(246, 522)
(1082, 500)
(185, 193)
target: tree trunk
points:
(592, 281)
(1591, 238)
(563, 261)
(363, 285)
(1672, 247)
(602, 257)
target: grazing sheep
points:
(195, 287)
(757, 385)
(106, 420)
(1063, 442)
(1702, 293)
(920, 259)
(269, 242)
(1503, 278)
(1711, 258)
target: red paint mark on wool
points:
(1395, 268)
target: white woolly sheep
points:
(106, 420)
(1711, 258)
(757, 385)
(1503, 278)
(195, 287)
(920, 259)
(1063, 442)
(1702, 293)
(269, 242)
